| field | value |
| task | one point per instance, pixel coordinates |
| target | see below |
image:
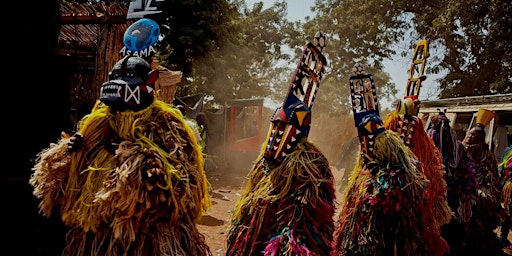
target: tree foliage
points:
(477, 36)
(228, 50)
(473, 38)
(349, 40)
(225, 50)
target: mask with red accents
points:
(130, 86)
(289, 124)
(291, 121)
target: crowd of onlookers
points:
(477, 179)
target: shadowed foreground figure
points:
(288, 204)
(131, 181)
(405, 121)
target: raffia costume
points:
(430, 156)
(130, 182)
(405, 121)
(288, 204)
(383, 206)
(505, 169)
(287, 210)
(412, 131)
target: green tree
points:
(477, 36)
(353, 37)
(473, 38)
(225, 50)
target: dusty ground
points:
(226, 191)
(227, 188)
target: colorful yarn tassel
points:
(383, 210)
(287, 209)
(430, 157)
(505, 168)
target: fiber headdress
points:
(288, 204)
(405, 122)
(127, 183)
(383, 205)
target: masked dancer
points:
(288, 204)
(460, 179)
(131, 180)
(383, 207)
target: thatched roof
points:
(82, 25)
(75, 13)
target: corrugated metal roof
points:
(468, 108)
(495, 102)
(470, 100)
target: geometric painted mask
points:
(291, 121)
(365, 108)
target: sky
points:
(397, 66)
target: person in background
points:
(202, 122)
(482, 239)
(460, 179)
(193, 124)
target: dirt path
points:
(226, 191)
